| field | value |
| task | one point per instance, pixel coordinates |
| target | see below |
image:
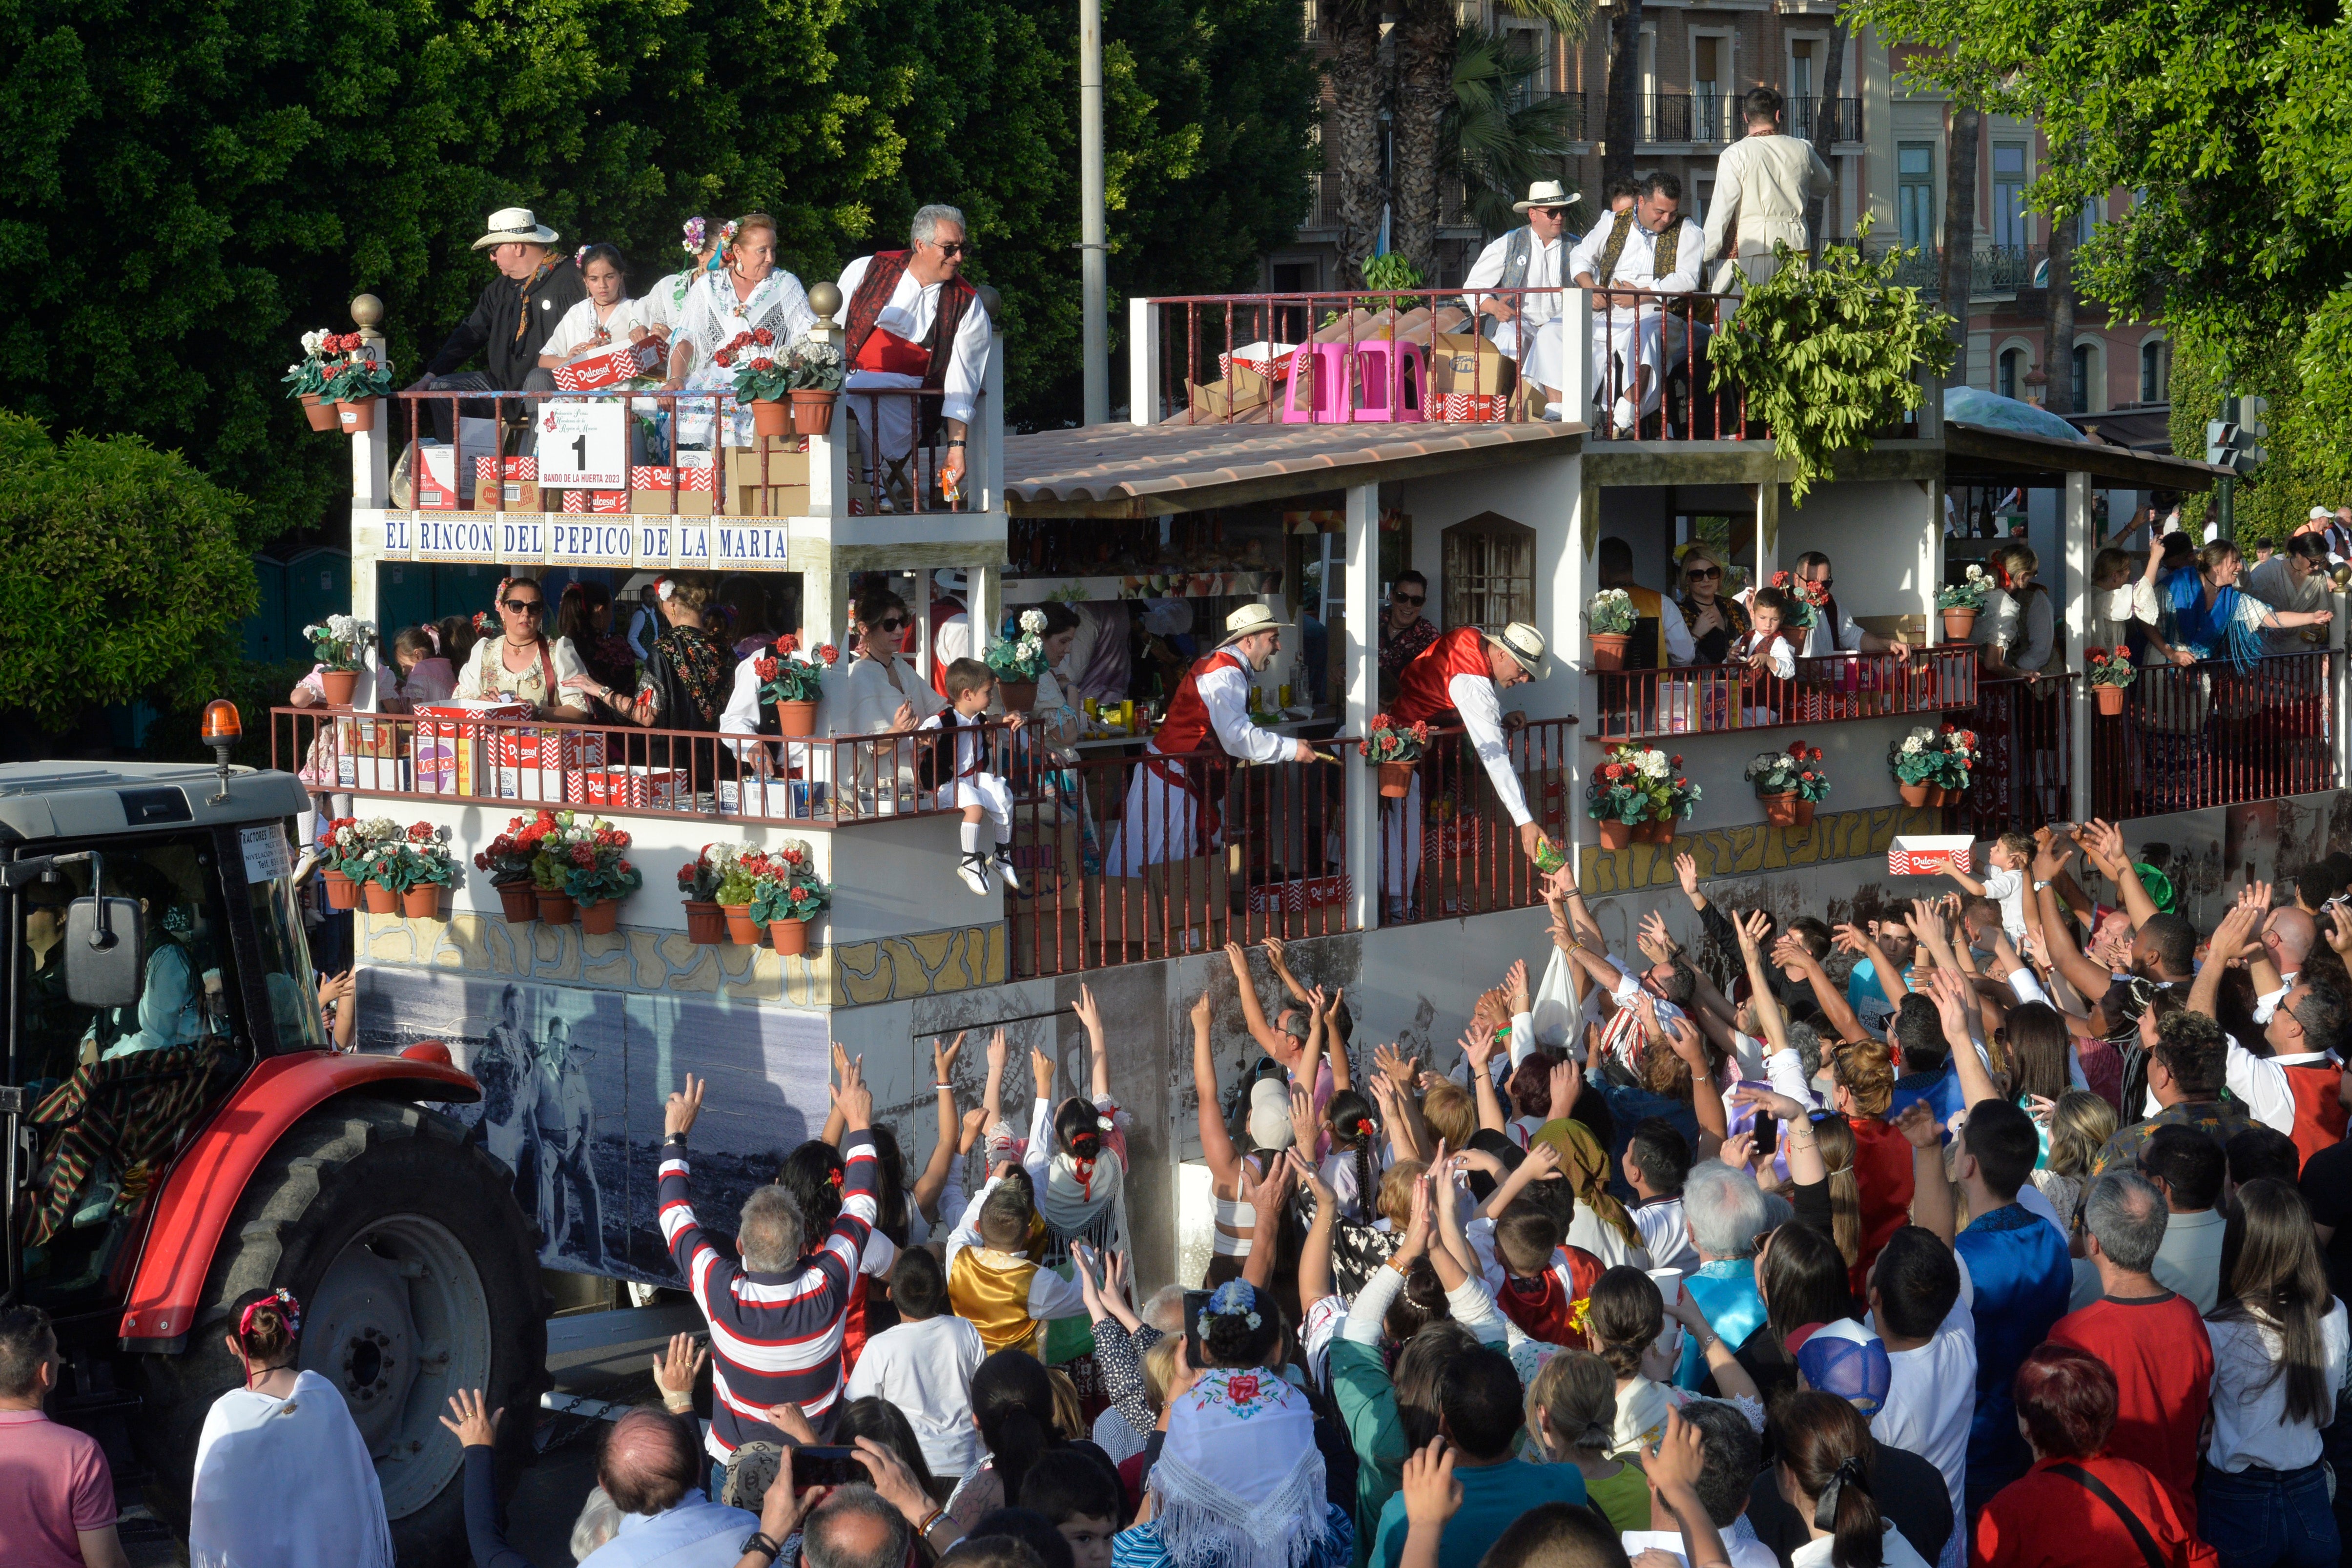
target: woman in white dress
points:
(283, 1477)
(746, 293)
(882, 694)
(524, 664)
(602, 322)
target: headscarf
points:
(1240, 1480)
(1586, 1165)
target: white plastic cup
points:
(1670, 1287)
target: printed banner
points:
(1928, 854)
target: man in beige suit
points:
(1762, 185)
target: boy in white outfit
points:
(960, 772)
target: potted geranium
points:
(554, 839)
(1639, 792)
(1805, 601)
(814, 372)
(1789, 784)
(355, 381)
(507, 860)
(789, 894)
(1608, 619)
(697, 882)
(761, 380)
(345, 864)
(1914, 760)
(793, 684)
(375, 863)
(1933, 767)
(1019, 663)
(1394, 748)
(1957, 757)
(739, 884)
(307, 381)
(2111, 671)
(339, 645)
(1960, 602)
(421, 866)
(599, 876)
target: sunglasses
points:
(954, 246)
(1407, 598)
(1698, 571)
(891, 623)
(525, 606)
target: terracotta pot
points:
(340, 684)
(740, 929)
(797, 719)
(1805, 812)
(1655, 832)
(380, 900)
(1779, 810)
(319, 412)
(520, 900)
(789, 936)
(1609, 649)
(1959, 624)
(706, 923)
(1615, 834)
(1938, 795)
(422, 903)
(601, 918)
(812, 412)
(343, 893)
(1018, 696)
(555, 909)
(1396, 779)
(770, 417)
(1912, 794)
(2110, 699)
(357, 415)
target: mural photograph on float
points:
(573, 1081)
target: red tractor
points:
(179, 1130)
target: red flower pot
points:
(340, 684)
(1656, 832)
(812, 412)
(2110, 699)
(318, 412)
(1609, 649)
(789, 936)
(381, 900)
(1912, 794)
(797, 719)
(770, 417)
(1018, 696)
(357, 415)
(520, 900)
(422, 903)
(343, 893)
(1804, 812)
(1396, 779)
(1779, 810)
(741, 929)
(555, 909)
(601, 918)
(1959, 624)
(706, 923)
(1615, 834)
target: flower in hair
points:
(1234, 1298)
(580, 257)
(694, 232)
(833, 1180)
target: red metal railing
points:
(2210, 735)
(1331, 359)
(1700, 698)
(2023, 779)
(1448, 847)
(838, 780)
(682, 445)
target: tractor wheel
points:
(418, 1276)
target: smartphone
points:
(826, 1467)
(1767, 1135)
(1195, 1303)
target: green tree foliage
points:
(2305, 463)
(124, 570)
(197, 182)
(1498, 151)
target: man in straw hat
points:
(511, 320)
(1175, 800)
(1528, 257)
(1456, 681)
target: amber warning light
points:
(223, 731)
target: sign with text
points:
(748, 546)
(691, 544)
(1928, 854)
(591, 542)
(468, 536)
(584, 445)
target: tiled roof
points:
(1139, 470)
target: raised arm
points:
(1217, 1144)
(1891, 980)
(1251, 1014)
(833, 1121)
(1315, 1252)
(1931, 1189)
(991, 1100)
(2230, 940)
(1562, 885)
(1478, 1050)
(1268, 1198)
(1707, 1099)
(1542, 1160)
(1277, 960)
(2104, 842)
(1098, 1053)
(1950, 994)
(1794, 954)
(941, 1165)
(1342, 1069)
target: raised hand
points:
(997, 1051)
(1307, 1173)
(1089, 1014)
(679, 1113)
(1201, 1010)
(853, 1098)
(1041, 1072)
(1684, 1040)
(1918, 1125)
(1686, 873)
(674, 1372)
(1274, 952)
(1739, 1150)
(1567, 1083)
(943, 1061)
(2339, 929)
(1397, 1067)
(1560, 885)
(2104, 841)
(1780, 1107)
(1432, 1495)
(1752, 928)
(1542, 1163)
(1515, 985)
(1478, 1045)
(466, 1419)
(1654, 926)
(1302, 1127)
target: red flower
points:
(1948, 729)
(582, 856)
(2122, 652)
(761, 336)
(763, 362)
(765, 668)
(1420, 730)
(625, 867)
(789, 643)
(420, 833)
(686, 875)
(1817, 754)
(723, 359)
(1682, 783)
(1241, 1389)
(1675, 761)
(827, 652)
(1380, 721)
(792, 856)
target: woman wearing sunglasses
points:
(1717, 623)
(524, 664)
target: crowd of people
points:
(2019, 1241)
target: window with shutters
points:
(1489, 572)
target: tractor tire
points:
(417, 1275)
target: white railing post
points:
(1575, 356)
(1142, 362)
(1363, 621)
(984, 471)
(2076, 523)
(984, 602)
(370, 471)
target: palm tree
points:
(1496, 150)
(1351, 141)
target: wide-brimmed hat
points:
(954, 579)
(1546, 193)
(1250, 618)
(516, 225)
(1525, 644)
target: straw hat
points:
(1525, 644)
(1546, 193)
(516, 225)
(1252, 619)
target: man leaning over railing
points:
(1458, 680)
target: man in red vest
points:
(915, 323)
(1454, 682)
(1174, 807)
(951, 624)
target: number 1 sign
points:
(583, 445)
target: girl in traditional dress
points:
(604, 320)
(1076, 1156)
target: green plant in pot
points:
(788, 895)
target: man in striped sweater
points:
(776, 1317)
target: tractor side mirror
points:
(106, 952)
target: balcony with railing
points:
(1994, 270)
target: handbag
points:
(2193, 1554)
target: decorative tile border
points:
(930, 963)
(1753, 848)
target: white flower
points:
(1912, 745)
(1653, 764)
(310, 341)
(1032, 620)
(1975, 573)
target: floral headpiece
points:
(287, 1308)
(580, 257)
(694, 232)
(1234, 1298)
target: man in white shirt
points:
(1762, 185)
(1922, 1306)
(924, 1365)
(1645, 250)
(915, 321)
(1528, 257)
(2294, 579)
(1457, 680)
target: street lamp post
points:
(1094, 302)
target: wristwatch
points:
(758, 1542)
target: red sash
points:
(891, 354)
(942, 612)
(1187, 729)
(2319, 1115)
(1545, 1307)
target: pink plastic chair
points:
(1409, 379)
(1324, 367)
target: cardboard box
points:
(1466, 363)
(1299, 894)
(1129, 908)
(1929, 854)
(596, 501)
(1466, 408)
(451, 753)
(1269, 360)
(542, 786)
(562, 750)
(1243, 390)
(372, 753)
(788, 798)
(627, 788)
(625, 363)
(518, 478)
